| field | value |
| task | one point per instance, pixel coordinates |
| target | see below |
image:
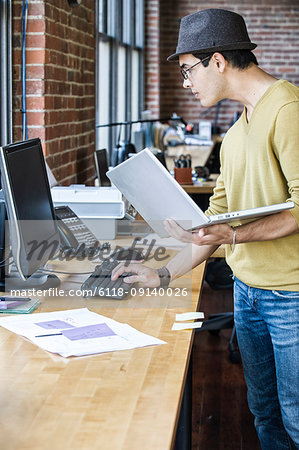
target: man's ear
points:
(219, 61)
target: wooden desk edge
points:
(189, 359)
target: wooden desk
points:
(206, 187)
(121, 400)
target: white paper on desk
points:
(186, 326)
(189, 316)
(97, 338)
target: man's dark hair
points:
(240, 59)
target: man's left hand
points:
(211, 235)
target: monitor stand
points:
(36, 281)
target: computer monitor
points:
(33, 233)
(101, 162)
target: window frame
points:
(118, 31)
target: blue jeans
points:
(268, 337)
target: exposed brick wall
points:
(272, 24)
(60, 84)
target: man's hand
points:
(212, 235)
(142, 274)
(267, 228)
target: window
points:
(119, 67)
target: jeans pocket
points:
(286, 294)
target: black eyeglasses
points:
(185, 72)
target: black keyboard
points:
(99, 283)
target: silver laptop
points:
(157, 196)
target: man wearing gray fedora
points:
(259, 166)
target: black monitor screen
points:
(27, 180)
(101, 161)
(28, 202)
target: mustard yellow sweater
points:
(260, 166)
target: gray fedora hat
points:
(211, 30)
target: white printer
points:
(98, 207)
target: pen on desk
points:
(47, 335)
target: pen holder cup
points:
(183, 175)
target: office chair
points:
(219, 276)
